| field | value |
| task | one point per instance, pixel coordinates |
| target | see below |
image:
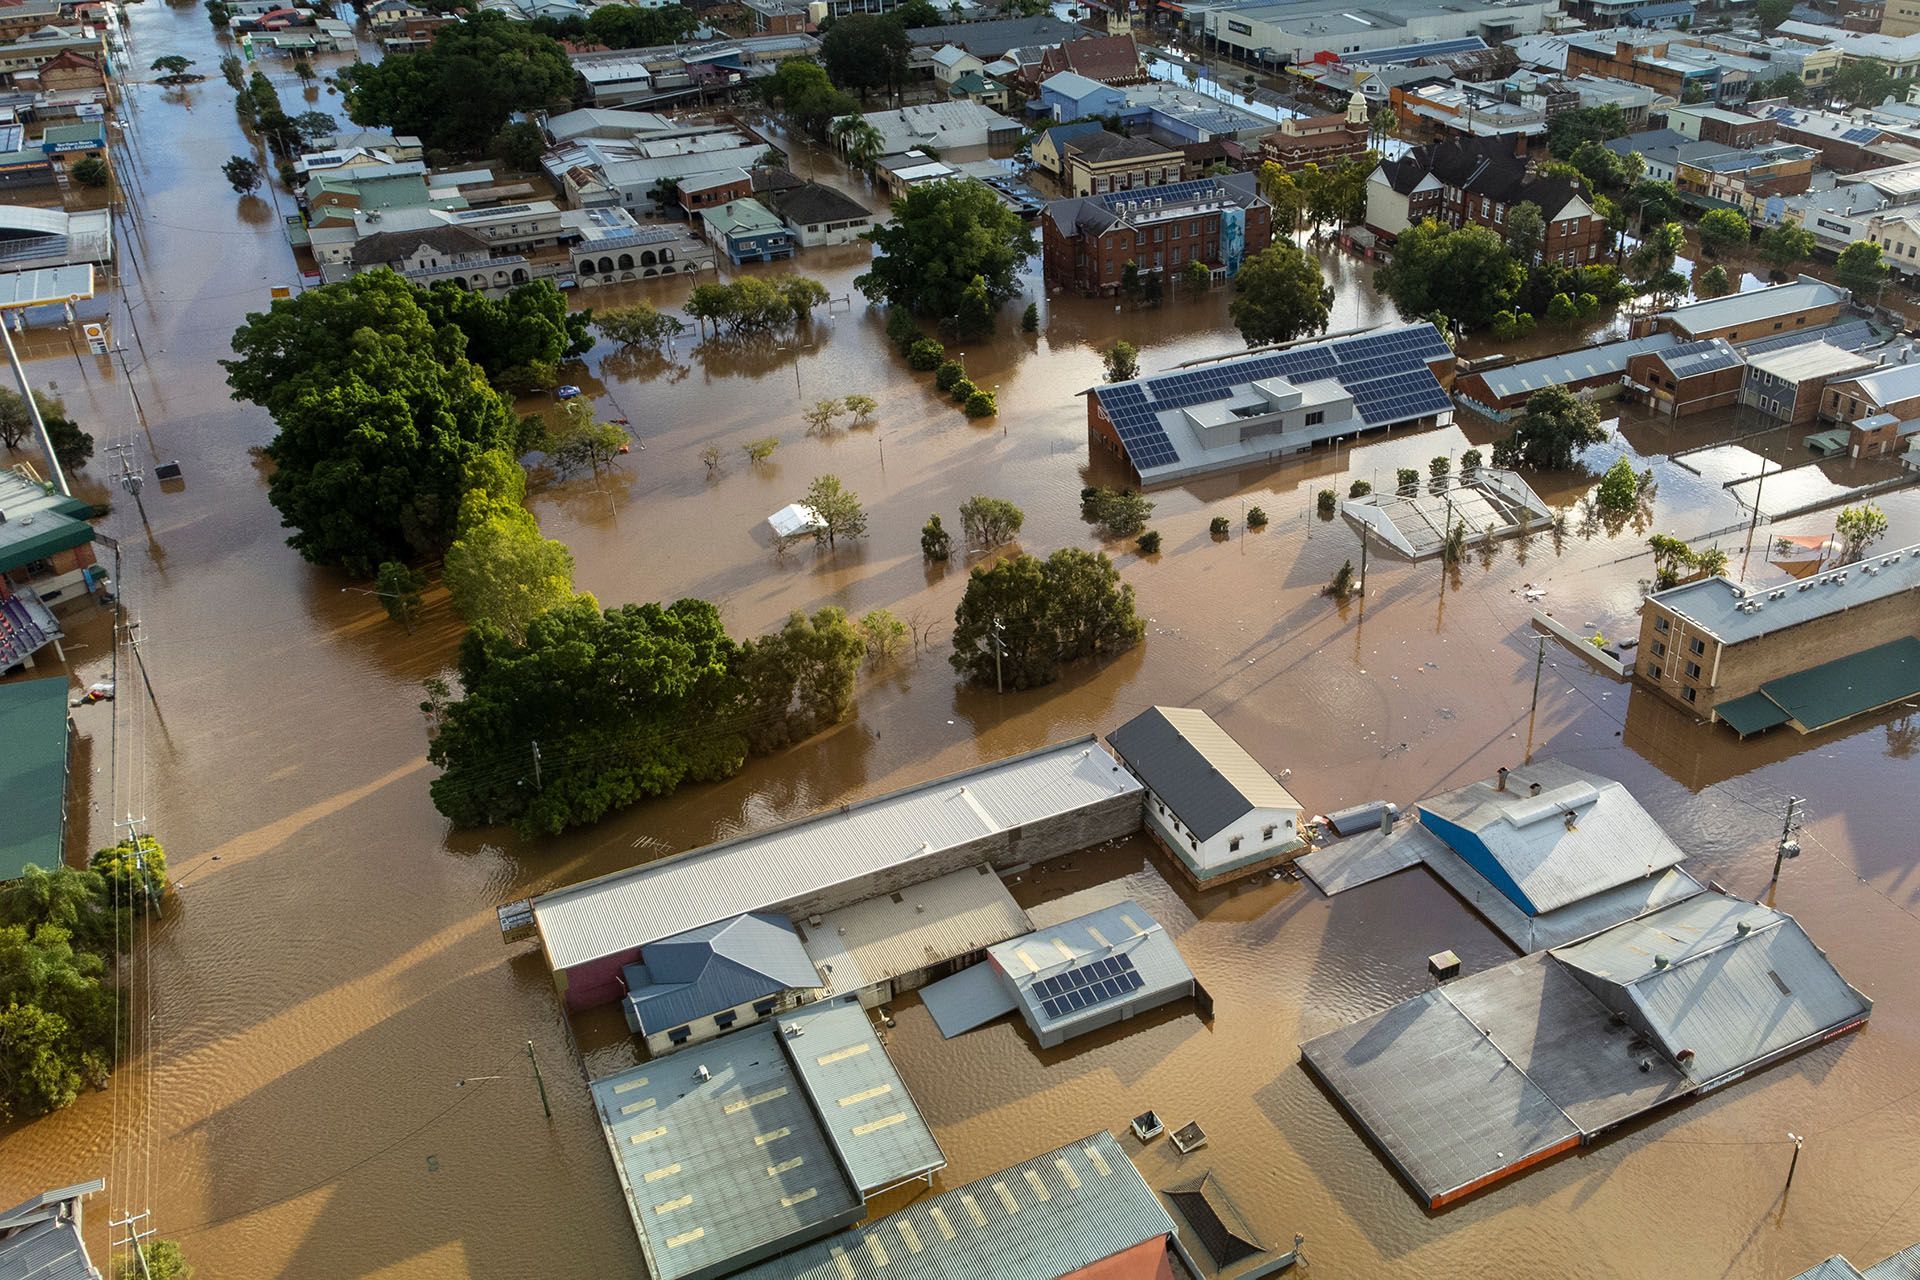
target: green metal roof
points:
(22, 542)
(33, 774)
(1831, 441)
(1849, 686)
(1751, 714)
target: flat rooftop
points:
(655, 900)
(899, 933)
(780, 1143)
(1732, 613)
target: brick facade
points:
(1093, 261)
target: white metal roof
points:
(1809, 360)
(1732, 613)
(643, 904)
(1756, 305)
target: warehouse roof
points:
(33, 774)
(712, 968)
(1582, 834)
(1848, 335)
(643, 904)
(899, 933)
(1889, 385)
(1808, 360)
(1063, 974)
(1196, 768)
(1756, 305)
(1731, 613)
(1041, 1219)
(1577, 366)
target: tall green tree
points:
(865, 51)
(986, 522)
(1465, 275)
(944, 236)
(1722, 230)
(1122, 361)
(1041, 614)
(799, 679)
(838, 508)
(1862, 82)
(1280, 295)
(500, 569)
(1712, 283)
(1862, 269)
(1773, 12)
(1568, 129)
(520, 338)
(802, 92)
(456, 93)
(1555, 425)
(1526, 231)
(1858, 528)
(1783, 245)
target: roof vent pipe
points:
(1500, 783)
(1386, 821)
(1661, 962)
(1533, 788)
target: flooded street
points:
(332, 968)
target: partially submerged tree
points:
(943, 238)
(986, 522)
(1280, 295)
(839, 511)
(1038, 615)
(1555, 425)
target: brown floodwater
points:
(331, 969)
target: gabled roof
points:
(1889, 385)
(812, 203)
(713, 968)
(1196, 769)
(1582, 834)
(1105, 146)
(40, 1237)
(394, 246)
(1071, 84)
(1755, 305)
(1102, 58)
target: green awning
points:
(33, 774)
(75, 507)
(1849, 686)
(21, 543)
(1751, 714)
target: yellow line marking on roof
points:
(1132, 924)
(1098, 937)
(668, 1206)
(939, 1217)
(1098, 1161)
(911, 1236)
(1067, 1174)
(775, 1170)
(841, 1055)
(1007, 1201)
(627, 1086)
(774, 1135)
(864, 1094)
(872, 1126)
(787, 1202)
(733, 1107)
(877, 1251)
(1039, 1187)
(633, 1107)
(658, 1174)
(845, 1264)
(685, 1237)
(973, 1211)
(648, 1136)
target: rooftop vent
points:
(1533, 788)
(1500, 779)
(1661, 962)
(1443, 966)
(701, 1072)
(1572, 820)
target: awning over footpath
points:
(1831, 692)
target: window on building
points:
(1233, 845)
(1689, 693)
(1266, 832)
(680, 1035)
(1315, 418)
(725, 1020)
(762, 1008)
(1195, 845)
(1653, 672)
(1696, 646)
(1661, 625)
(1659, 649)
(1693, 671)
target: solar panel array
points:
(1691, 359)
(1084, 986)
(1386, 373)
(1173, 193)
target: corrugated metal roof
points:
(1612, 840)
(1890, 385)
(1848, 335)
(1580, 365)
(719, 966)
(643, 904)
(1713, 605)
(1197, 769)
(1627, 953)
(1834, 1268)
(1809, 360)
(1755, 305)
(971, 998)
(1125, 929)
(1904, 1265)
(1751, 714)
(33, 773)
(43, 1242)
(883, 938)
(1565, 924)
(1037, 1220)
(862, 1102)
(1849, 686)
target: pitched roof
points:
(1106, 145)
(811, 203)
(1103, 58)
(1195, 768)
(33, 773)
(393, 246)
(1223, 1230)
(1755, 305)
(40, 1237)
(1482, 167)
(713, 968)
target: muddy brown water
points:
(332, 970)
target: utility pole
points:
(133, 1238)
(1754, 524)
(540, 1080)
(996, 637)
(1792, 1164)
(120, 354)
(129, 479)
(54, 470)
(536, 764)
(1789, 847)
(1363, 561)
(1539, 660)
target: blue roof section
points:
(1067, 132)
(1043, 1218)
(1414, 52)
(713, 968)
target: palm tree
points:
(859, 139)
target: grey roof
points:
(1612, 840)
(1904, 1265)
(712, 968)
(1125, 929)
(721, 1171)
(970, 998)
(1890, 385)
(1755, 305)
(394, 246)
(1692, 359)
(991, 39)
(1579, 365)
(1195, 768)
(1834, 1268)
(923, 925)
(1848, 335)
(863, 1105)
(1037, 1220)
(843, 846)
(1808, 360)
(1098, 148)
(40, 1236)
(811, 203)
(1713, 605)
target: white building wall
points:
(1258, 830)
(704, 1029)
(1386, 208)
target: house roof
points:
(40, 1239)
(842, 846)
(811, 203)
(1071, 84)
(1041, 1219)
(1106, 146)
(1755, 305)
(1482, 167)
(1103, 58)
(1195, 768)
(713, 968)
(1731, 613)
(747, 215)
(393, 246)
(1889, 385)
(1611, 839)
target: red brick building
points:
(1322, 140)
(1481, 181)
(1113, 60)
(1088, 241)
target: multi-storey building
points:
(1088, 241)
(1321, 140)
(1480, 181)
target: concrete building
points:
(762, 1141)
(1253, 409)
(1811, 653)
(1088, 241)
(1067, 979)
(33, 774)
(689, 988)
(1900, 53)
(1806, 303)
(1754, 179)
(699, 71)
(1717, 124)
(1483, 1077)
(613, 249)
(1026, 808)
(899, 942)
(1480, 180)
(1688, 377)
(747, 231)
(1078, 1212)
(1209, 804)
(819, 215)
(42, 1237)
(1789, 384)
(1463, 110)
(1321, 140)
(901, 173)
(1642, 57)
(1278, 32)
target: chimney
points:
(1500, 779)
(1533, 788)
(1386, 820)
